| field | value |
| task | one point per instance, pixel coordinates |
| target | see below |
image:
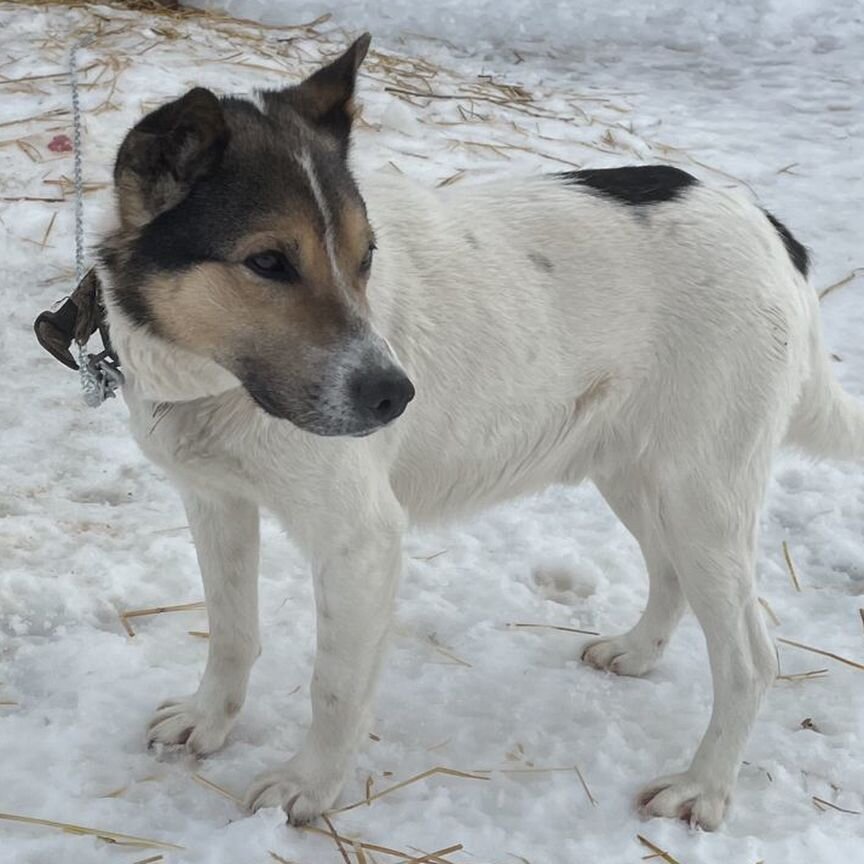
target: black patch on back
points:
(797, 252)
(635, 184)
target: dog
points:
(359, 358)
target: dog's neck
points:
(156, 370)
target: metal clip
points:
(106, 378)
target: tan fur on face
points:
(355, 235)
(221, 309)
(225, 312)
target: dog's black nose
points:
(382, 396)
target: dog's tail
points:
(827, 421)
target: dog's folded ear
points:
(325, 99)
(166, 152)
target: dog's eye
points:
(366, 263)
(272, 265)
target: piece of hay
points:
(108, 836)
(769, 611)
(791, 567)
(516, 625)
(371, 847)
(116, 793)
(803, 676)
(450, 772)
(337, 839)
(215, 787)
(591, 798)
(853, 274)
(821, 803)
(156, 610)
(47, 233)
(440, 649)
(533, 770)
(435, 856)
(441, 552)
(658, 852)
(853, 663)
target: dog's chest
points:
(205, 440)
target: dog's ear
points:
(325, 99)
(161, 158)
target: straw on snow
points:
(821, 804)
(102, 834)
(658, 852)
(215, 787)
(769, 611)
(156, 610)
(407, 858)
(803, 676)
(792, 572)
(450, 772)
(284, 49)
(853, 663)
(853, 274)
(338, 838)
(518, 625)
(533, 770)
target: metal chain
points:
(97, 382)
(76, 150)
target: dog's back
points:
(548, 323)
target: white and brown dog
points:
(627, 326)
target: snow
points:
(491, 24)
(767, 94)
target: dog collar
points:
(77, 319)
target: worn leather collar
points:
(76, 319)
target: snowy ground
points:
(766, 97)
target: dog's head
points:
(243, 238)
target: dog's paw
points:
(189, 723)
(685, 797)
(623, 655)
(303, 792)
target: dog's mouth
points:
(264, 400)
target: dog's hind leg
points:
(355, 545)
(708, 521)
(638, 650)
(225, 531)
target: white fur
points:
(256, 97)
(308, 167)
(665, 355)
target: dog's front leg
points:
(356, 571)
(225, 531)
